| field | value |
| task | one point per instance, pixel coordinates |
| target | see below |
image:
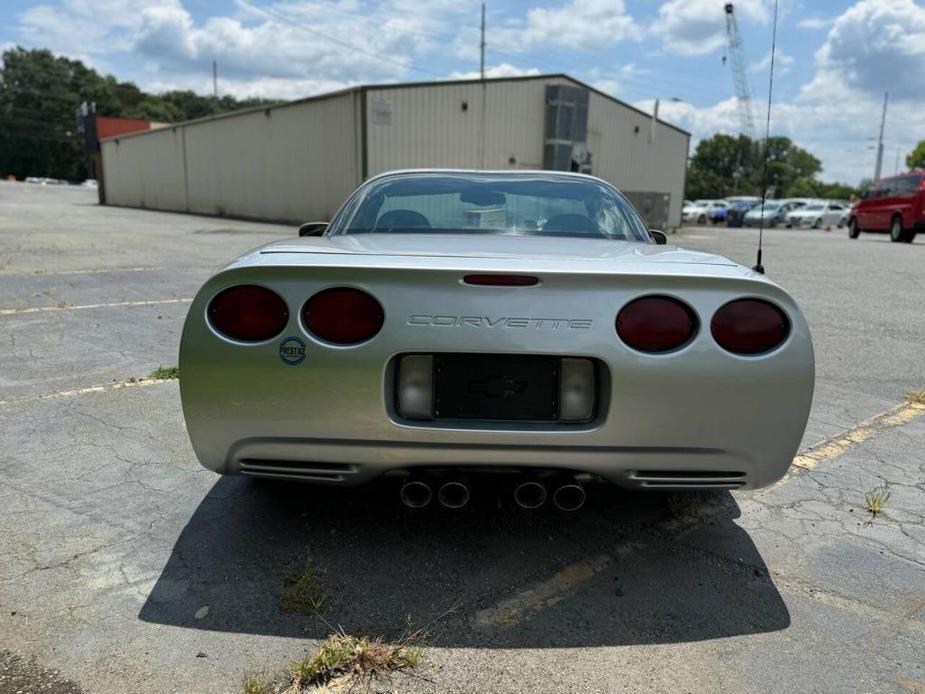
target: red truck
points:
(895, 205)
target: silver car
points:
(452, 323)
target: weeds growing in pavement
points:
(875, 500)
(165, 373)
(302, 593)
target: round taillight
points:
(749, 326)
(656, 324)
(248, 313)
(343, 316)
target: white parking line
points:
(68, 307)
(93, 271)
(132, 383)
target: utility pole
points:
(880, 140)
(215, 80)
(482, 46)
(896, 170)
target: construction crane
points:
(739, 74)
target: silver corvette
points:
(447, 324)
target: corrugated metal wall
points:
(442, 126)
(627, 155)
(297, 162)
(146, 170)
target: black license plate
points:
(502, 387)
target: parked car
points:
(540, 337)
(737, 210)
(820, 213)
(895, 205)
(701, 211)
(774, 213)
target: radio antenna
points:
(767, 136)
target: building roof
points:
(403, 85)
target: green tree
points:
(702, 183)
(39, 93)
(836, 191)
(916, 158)
(803, 187)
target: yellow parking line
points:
(835, 447)
(540, 595)
(68, 307)
(132, 383)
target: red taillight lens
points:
(749, 326)
(343, 316)
(248, 313)
(656, 324)
(502, 280)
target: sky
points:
(833, 63)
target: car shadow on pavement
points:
(628, 568)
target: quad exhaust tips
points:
(530, 494)
(415, 493)
(569, 496)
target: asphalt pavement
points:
(113, 539)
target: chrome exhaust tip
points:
(453, 494)
(570, 496)
(530, 494)
(415, 493)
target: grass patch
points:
(257, 682)
(875, 500)
(302, 593)
(165, 373)
(916, 397)
(354, 660)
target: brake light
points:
(502, 280)
(749, 326)
(248, 313)
(656, 324)
(343, 316)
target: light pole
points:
(673, 99)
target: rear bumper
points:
(351, 463)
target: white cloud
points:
(696, 27)
(614, 80)
(813, 23)
(501, 70)
(577, 25)
(85, 26)
(782, 63)
(274, 50)
(875, 46)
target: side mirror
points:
(313, 229)
(660, 238)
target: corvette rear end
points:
(340, 359)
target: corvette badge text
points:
(500, 322)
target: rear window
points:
(516, 204)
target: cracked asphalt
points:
(112, 538)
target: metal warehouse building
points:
(298, 161)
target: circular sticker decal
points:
(292, 351)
